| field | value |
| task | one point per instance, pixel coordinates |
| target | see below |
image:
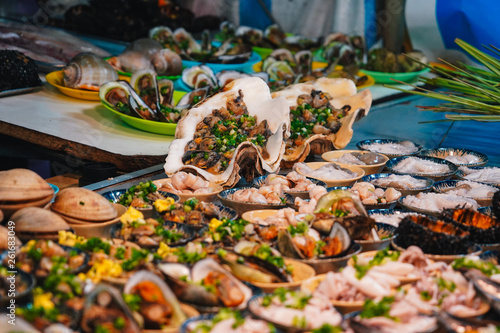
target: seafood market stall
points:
(273, 184)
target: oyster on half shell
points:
(260, 148)
(334, 134)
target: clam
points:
(167, 62)
(245, 96)
(159, 308)
(88, 71)
(104, 306)
(83, 204)
(198, 77)
(38, 223)
(254, 268)
(227, 29)
(23, 185)
(227, 290)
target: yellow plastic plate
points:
(150, 125)
(56, 79)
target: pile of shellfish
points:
(154, 273)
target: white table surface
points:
(89, 123)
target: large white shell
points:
(257, 98)
(343, 92)
(201, 269)
(141, 276)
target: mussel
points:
(120, 96)
(345, 208)
(105, 307)
(199, 77)
(302, 242)
(208, 284)
(487, 287)
(255, 262)
(88, 71)
(158, 307)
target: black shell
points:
(433, 236)
(483, 229)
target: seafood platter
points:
(192, 251)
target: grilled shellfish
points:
(209, 284)
(254, 143)
(335, 100)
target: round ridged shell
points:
(178, 316)
(23, 185)
(35, 219)
(83, 204)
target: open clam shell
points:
(18, 185)
(153, 289)
(229, 292)
(105, 304)
(83, 204)
(342, 93)
(254, 93)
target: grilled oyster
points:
(326, 110)
(239, 128)
(159, 308)
(208, 284)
